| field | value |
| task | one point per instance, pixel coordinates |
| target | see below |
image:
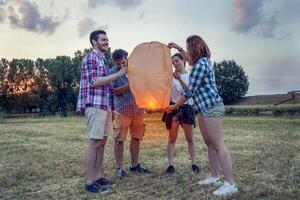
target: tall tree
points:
(232, 81)
(108, 56)
(4, 86)
(42, 87)
(62, 74)
(20, 79)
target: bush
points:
(232, 81)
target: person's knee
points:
(218, 146)
(172, 140)
(190, 139)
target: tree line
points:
(51, 85)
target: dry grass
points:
(43, 159)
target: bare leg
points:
(212, 154)
(173, 132)
(134, 151)
(100, 153)
(214, 130)
(90, 160)
(189, 136)
(119, 153)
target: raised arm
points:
(180, 50)
(103, 80)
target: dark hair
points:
(95, 34)
(180, 57)
(119, 54)
(197, 48)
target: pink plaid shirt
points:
(93, 67)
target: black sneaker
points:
(139, 168)
(170, 169)
(94, 188)
(195, 169)
(105, 182)
(120, 172)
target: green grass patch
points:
(42, 158)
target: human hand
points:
(175, 46)
(177, 76)
(123, 71)
(171, 108)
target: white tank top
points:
(177, 88)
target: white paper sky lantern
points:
(150, 75)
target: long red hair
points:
(196, 48)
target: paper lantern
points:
(150, 75)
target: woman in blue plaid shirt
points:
(210, 109)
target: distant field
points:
(265, 109)
(271, 99)
(297, 105)
(42, 158)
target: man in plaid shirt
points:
(96, 99)
(128, 116)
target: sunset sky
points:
(263, 36)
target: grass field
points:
(42, 158)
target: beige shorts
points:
(122, 124)
(99, 123)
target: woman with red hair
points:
(210, 110)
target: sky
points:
(263, 36)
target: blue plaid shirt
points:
(124, 103)
(202, 86)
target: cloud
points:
(67, 14)
(273, 85)
(281, 73)
(290, 9)
(2, 15)
(267, 29)
(2, 11)
(256, 16)
(141, 16)
(23, 14)
(281, 67)
(275, 74)
(122, 4)
(250, 16)
(87, 25)
(247, 14)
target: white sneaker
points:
(226, 190)
(214, 181)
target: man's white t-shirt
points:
(177, 88)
